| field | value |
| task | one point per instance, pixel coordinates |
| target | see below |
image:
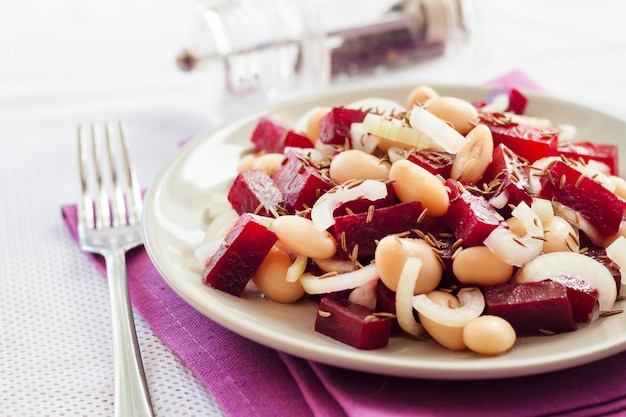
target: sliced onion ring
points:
(574, 264)
(442, 133)
(472, 306)
(324, 207)
(334, 264)
(404, 297)
(396, 130)
(365, 295)
(295, 271)
(513, 249)
(315, 285)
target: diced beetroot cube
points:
(605, 153)
(287, 171)
(517, 100)
(254, 191)
(470, 216)
(599, 254)
(335, 125)
(582, 296)
(352, 324)
(385, 298)
(532, 308)
(507, 175)
(305, 189)
(529, 142)
(301, 183)
(363, 229)
(386, 303)
(296, 140)
(269, 135)
(599, 206)
(435, 162)
(244, 248)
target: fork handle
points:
(131, 391)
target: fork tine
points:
(85, 204)
(134, 200)
(118, 206)
(103, 208)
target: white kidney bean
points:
(478, 265)
(300, 234)
(420, 95)
(391, 254)
(489, 335)
(447, 336)
(516, 226)
(559, 236)
(267, 162)
(270, 277)
(313, 123)
(472, 159)
(247, 161)
(461, 114)
(355, 164)
(413, 183)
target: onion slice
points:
(513, 249)
(334, 264)
(574, 264)
(444, 135)
(361, 139)
(365, 295)
(404, 296)
(324, 207)
(377, 105)
(297, 268)
(319, 285)
(397, 130)
(472, 306)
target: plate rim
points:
(343, 356)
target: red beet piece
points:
(269, 135)
(507, 175)
(529, 142)
(386, 302)
(470, 216)
(433, 161)
(599, 254)
(363, 229)
(244, 248)
(532, 307)
(301, 183)
(352, 324)
(517, 100)
(581, 295)
(605, 153)
(254, 191)
(335, 125)
(296, 140)
(567, 186)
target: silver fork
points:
(109, 218)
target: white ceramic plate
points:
(173, 224)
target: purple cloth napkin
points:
(248, 379)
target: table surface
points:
(70, 62)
